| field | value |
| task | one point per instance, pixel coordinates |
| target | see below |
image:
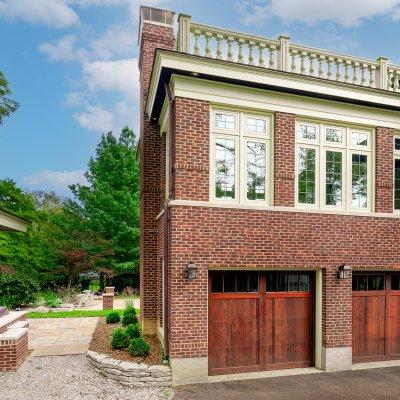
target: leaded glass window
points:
(333, 178)
(225, 121)
(255, 170)
(306, 175)
(359, 180)
(225, 161)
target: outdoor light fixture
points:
(344, 271)
(191, 270)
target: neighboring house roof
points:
(11, 222)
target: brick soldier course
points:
(281, 237)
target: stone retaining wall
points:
(131, 373)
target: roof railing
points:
(281, 54)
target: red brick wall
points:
(152, 37)
(13, 353)
(384, 170)
(284, 159)
(191, 144)
(233, 238)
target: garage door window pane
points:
(362, 282)
(241, 282)
(282, 283)
(304, 283)
(229, 282)
(376, 282)
(396, 282)
(293, 283)
(253, 282)
(271, 281)
(216, 283)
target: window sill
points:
(297, 209)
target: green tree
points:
(28, 254)
(111, 198)
(79, 248)
(7, 105)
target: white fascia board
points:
(264, 76)
(230, 95)
(10, 223)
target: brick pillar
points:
(384, 170)
(13, 349)
(337, 303)
(153, 34)
(284, 159)
(108, 301)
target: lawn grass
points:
(72, 314)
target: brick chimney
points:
(155, 32)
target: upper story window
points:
(240, 156)
(333, 166)
(396, 167)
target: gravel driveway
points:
(68, 377)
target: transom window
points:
(287, 282)
(368, 282)
(396, 167)
(240, 155)
(235, 282)
(334, 165)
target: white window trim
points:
(241, 137)
(322, 146)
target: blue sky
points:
(72, 65)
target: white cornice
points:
(224, 94)
(262, 76)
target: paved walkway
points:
(60, 336)
(372, 384)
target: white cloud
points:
(54, 180)
(344, 12)
(120, 75)
(75, 99)
(118, 40)
(63, 50)
(96, 119)
(53, 13)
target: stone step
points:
(19, 324)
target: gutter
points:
(166, 227)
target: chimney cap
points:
(153, 15)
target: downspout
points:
(166, 222)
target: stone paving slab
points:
(60, 336)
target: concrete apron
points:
(192, 370)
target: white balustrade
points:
(206, 41)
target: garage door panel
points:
(259, 330)
(233, 342)
(394, 325)
(376, 316)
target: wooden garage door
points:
(376, 317)
(259, 321)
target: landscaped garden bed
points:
(101, 343)
(120, 352)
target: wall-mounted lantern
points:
(191, 270)
(344, 271)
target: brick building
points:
(270, 201)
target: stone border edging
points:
(131, 373)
